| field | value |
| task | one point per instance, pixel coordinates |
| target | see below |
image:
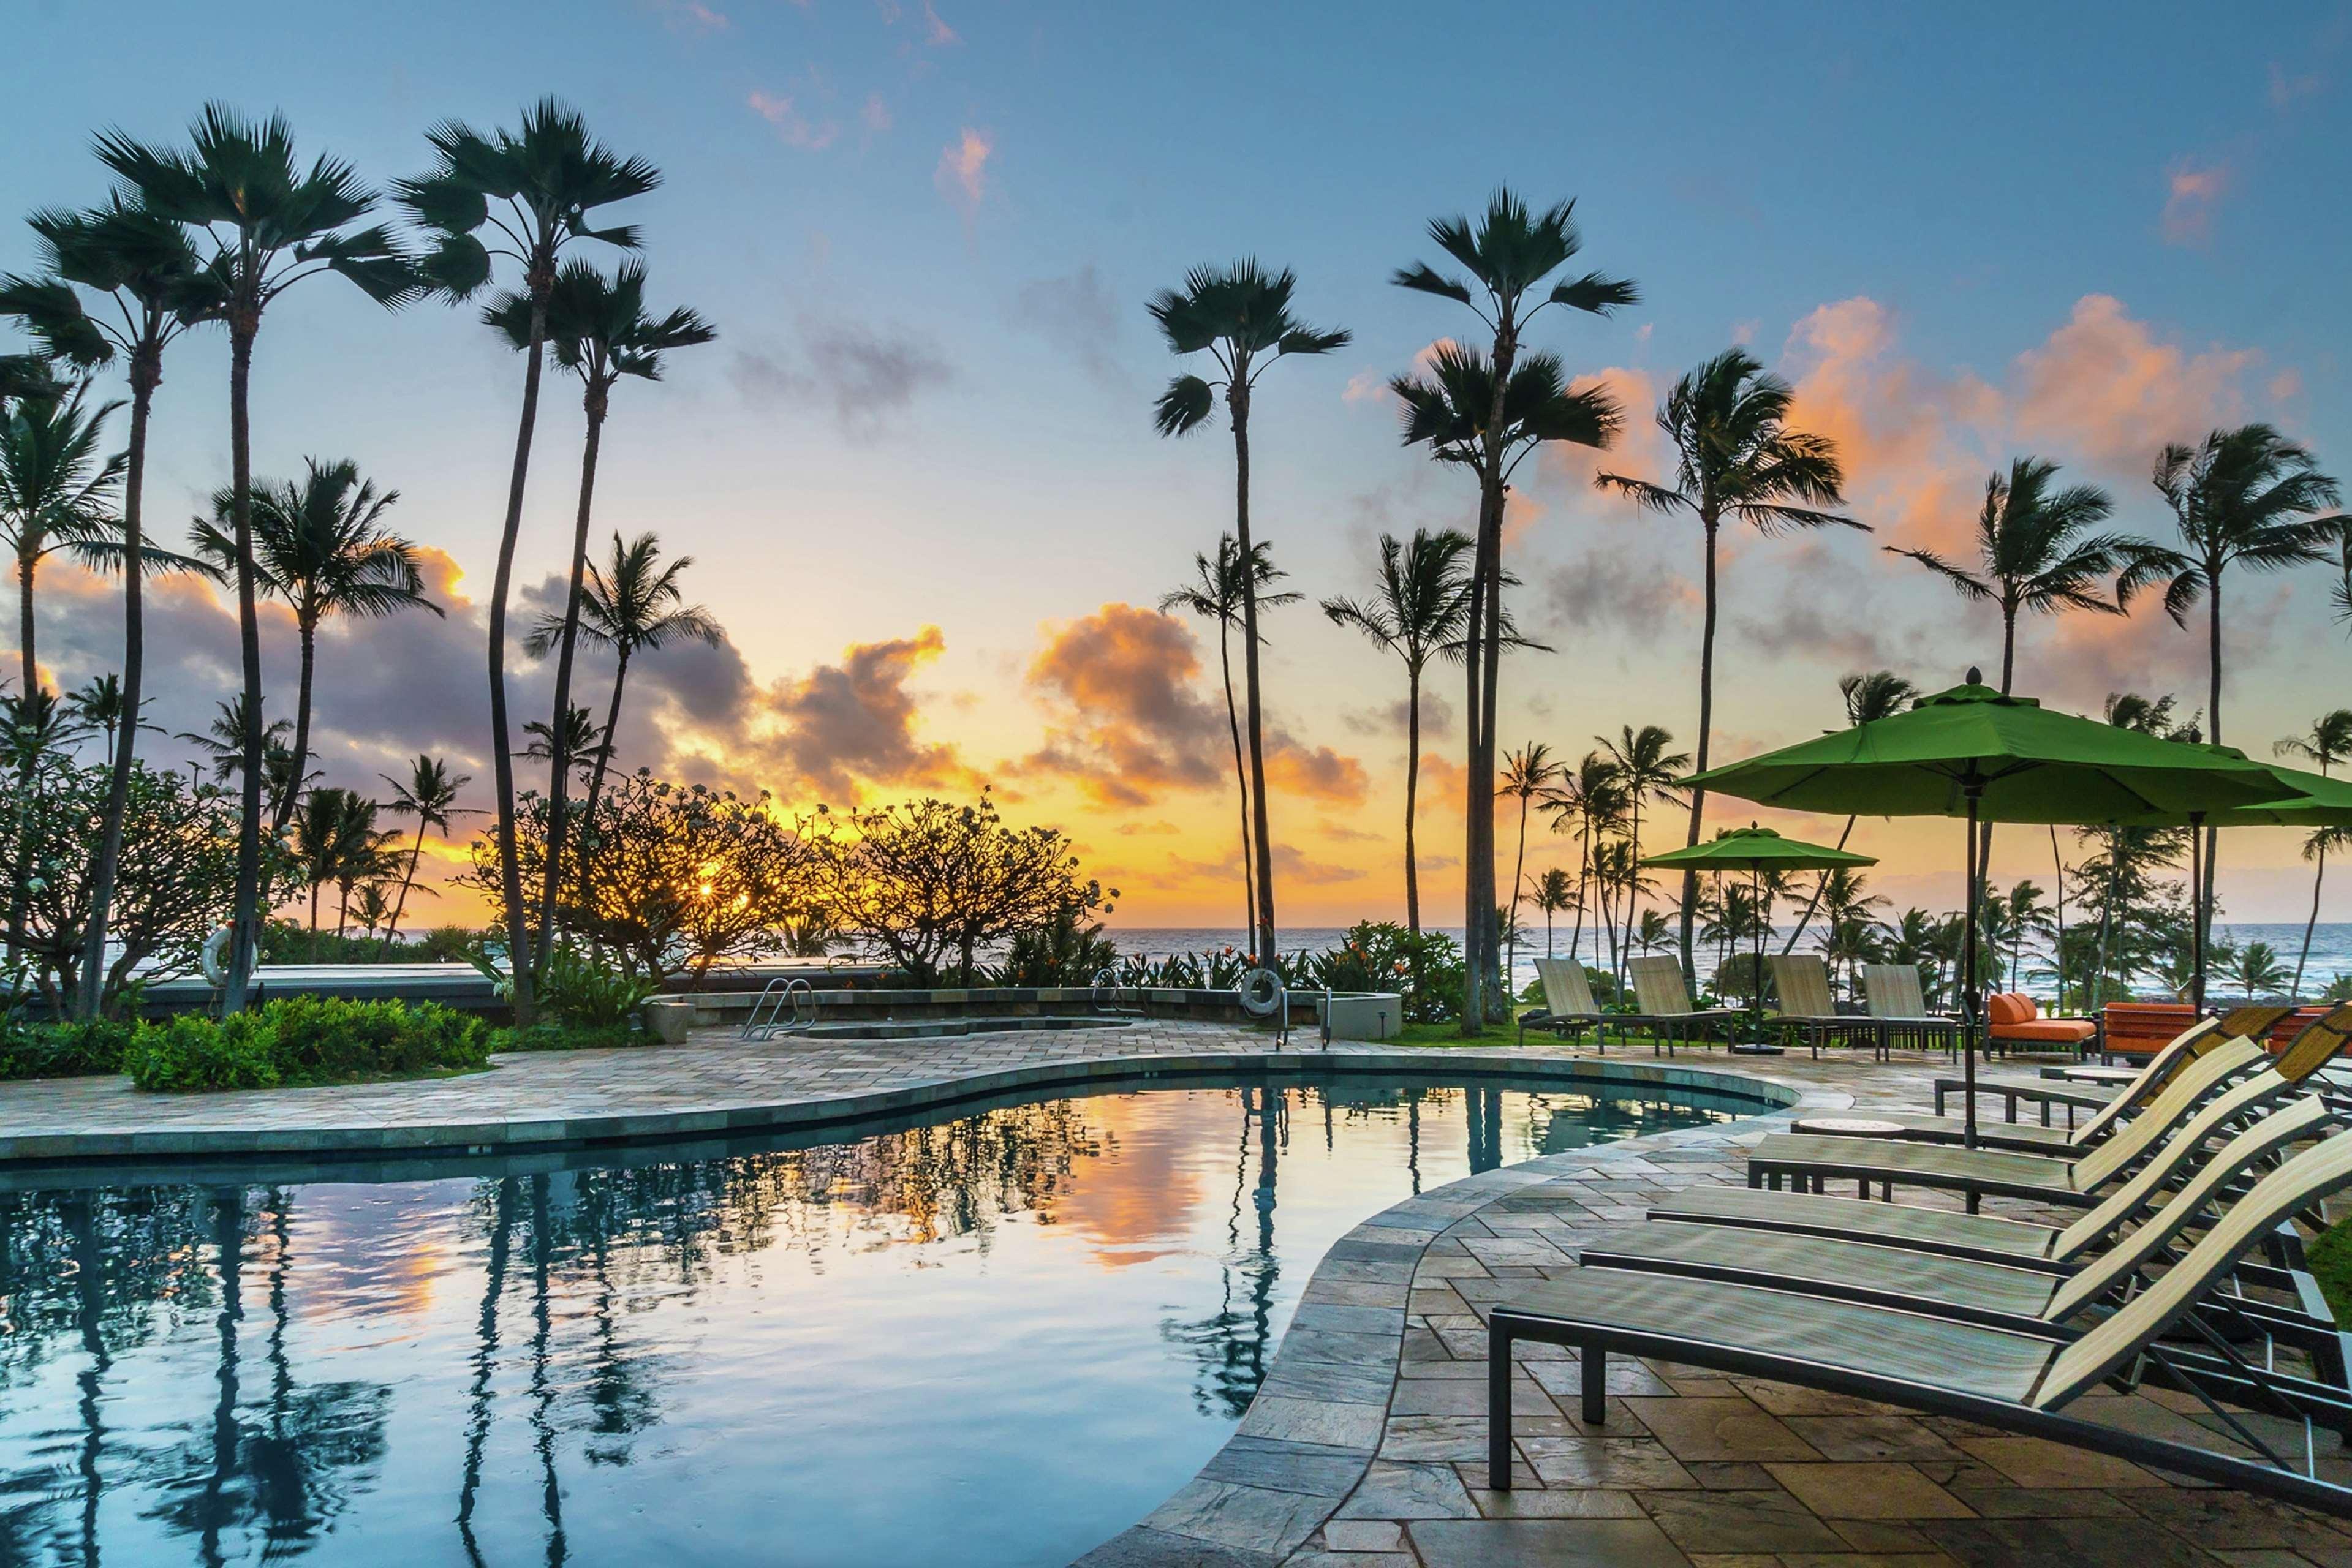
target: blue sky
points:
(926, 233)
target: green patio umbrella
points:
(1755, 851)
(2305, 800)
(1972, 752)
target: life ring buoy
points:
(1260, 992)
(209, 959)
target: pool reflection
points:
(998, 1337)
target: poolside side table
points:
(1852, 1128)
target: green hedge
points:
(63, 1050)
(305, 1040)
(555, 1035)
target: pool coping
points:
(1297, 1457)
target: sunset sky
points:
(918, 472)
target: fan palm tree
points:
(633, 605)
(336, 842)
(2242, 497)
(1552, 892)
(1417, 612)
(1589, 800)
(144, 265)
(1735, 459)
(223, 741)
(521, 197)
(2327, 742)
(1507, 257)
(261, 224)
(430, 795)
(1239, 316)
(1873, 695)
(322, 546)
(1646, 770)
(2032, 553)
(599, 330)
(56, 493)
(1528, 775)
(1448, 411)
(1215, 594)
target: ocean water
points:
(2331, 945)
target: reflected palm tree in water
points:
(1232, 1344)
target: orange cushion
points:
(2007, 1007)
(2058, 1031)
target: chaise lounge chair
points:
(2012, 1292)
(1567, 1005)
(2013, 1380)
(1807, 1160)
(1666, 1006)
(2199, 1036)
(1893, 994)
(1802, 981)
(2246, 1023)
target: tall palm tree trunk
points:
(1262, 848)
(1498, 1006)
(1412, 796)
(2319, 871)
(145, 377)
(407, 881)
(2204, 913)
(1706, 737)
(20, 883)
(1519, 873)
(1241, 777)
(1814, 903)
(611, 718)
(2058, 947)
(519, 952)
(246, 920)
(558, 744)
(1633, 870)
(307, 633)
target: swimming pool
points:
(996, 1334)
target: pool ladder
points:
(783, 1007)
(1105, 996)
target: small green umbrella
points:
(1972, 752)
(1755, 851)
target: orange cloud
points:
(1317, 772)
(1129, 720)
(796, 129)
(2191, 192)
(2104, 384)
(963, 173)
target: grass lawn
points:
(2331, 1265)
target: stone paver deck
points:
(1364, 1447)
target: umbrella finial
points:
(1975, 676)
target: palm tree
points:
(261, 224)
(1417, 612)
(1239, 316)
(632, 605)
(98, 702)
(2243, 497)
(2327, 742)
(1552, 892)
(56, 493)
(1507, 255)
(2032, 555)
(2023, 915)
(143, 263)
(545, 181)
(336, 840)
(1646, 770)
(322, 546)
(1215, 594)
(599, 330)
(1528, 775)
(1589, 800)
(430, 795)
(1736, 458)
(223, 741)
(2258, 968)
(1868, 697)
(1448, 412)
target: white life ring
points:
(210, 959)
(1260, 992)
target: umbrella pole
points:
(1756, 978)
(1968, 984)
(2198, 915)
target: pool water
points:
(998, 1335)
